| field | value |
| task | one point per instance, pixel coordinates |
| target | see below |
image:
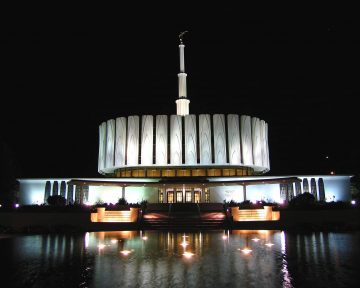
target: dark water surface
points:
(166, 259)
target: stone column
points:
(123, 192)
(244, 192)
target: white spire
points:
(182, 103)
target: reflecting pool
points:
(238, 258)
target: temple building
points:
(184, 158)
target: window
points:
(197, 196)
(297, 188)
(305, 186)
(179, 196)
(170, 196)
(313, 187)
(47, 191)
(63, 188)
(161, 196)
(321, 189)
(207, 195)
(55, 188)
(283, 192)
(188, 196)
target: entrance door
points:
(179, 196)
(188, 196)
(197, 196)
(170, 197)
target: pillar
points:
(123, 192)
(244, 192)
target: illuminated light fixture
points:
(125, 252)
(269, 244)
(184, 244)
(145, 238)
(246, 251)
(353, 202)
(224, 237)
(114, 241)
(332, 173)
(17, 205)
(0, 205)
(188, 254)
(101, 246)
(255, 239)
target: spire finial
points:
(181, 35)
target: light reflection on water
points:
(250, 258)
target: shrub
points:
(56, 200)
(303, 200)
(122, 201)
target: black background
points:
(67, 69)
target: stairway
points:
(182, 221)
(117, 216)
(250, 215)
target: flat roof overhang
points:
(188, 181)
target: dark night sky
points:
(66, 72)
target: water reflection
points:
(250, 258)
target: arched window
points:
(313, 188)
(321, 189)
(305, 185)
(47, 191)
(283, 192)
(77, 194)
(85, 194)
(55, 188)
(63, 189)
(290, 191)
(70, 194)
(297, 188)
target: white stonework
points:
(147, 140)
(133, 141)
(190, 140)
(223, 140)
(110, 143)
(205, 139)
(256, 140)
(175, 140)
(233, 139)
(161, 139)
(246, 140)
(219, 138)
(120, 142)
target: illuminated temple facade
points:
(184, 158)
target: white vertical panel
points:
(110, 143)
(263, 143)
(147, 140)
(102, 146)
(190, 140)
(256, 140)
(219, 138)
(205, 139)
(267, 146)
(120, 141)
(161, 139)
(233, 139)
(133, 141)
(246, 140)
(175, 140)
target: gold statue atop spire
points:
(181, 35)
